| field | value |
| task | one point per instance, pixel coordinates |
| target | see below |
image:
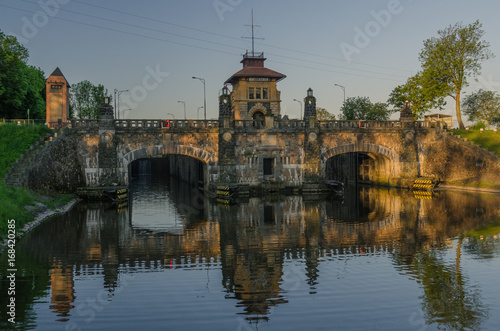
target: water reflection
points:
(265, 248)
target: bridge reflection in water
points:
(264, 254)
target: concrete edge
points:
(41, 216)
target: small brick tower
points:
(57, 103)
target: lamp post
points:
(204, 96)
(343, 88)
(173, 116)
(198, 112)
(300, 102)
(118, 101)
(184, 103)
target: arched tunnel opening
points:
(166, 186)
(358, 168)
(183, 168)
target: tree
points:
(422, 98)
(450, 59)
(86, 99)
(361, 108)
(21, 85)
(482, 106)
(323, 115)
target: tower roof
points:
(58, 73)
(253, 66)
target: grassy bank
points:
(18, 203)
(488, 139)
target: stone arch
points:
(207, 158)
(383, 160)
(258, 108)
(361, 148)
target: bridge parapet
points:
(167, 124)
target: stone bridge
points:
(270, 154)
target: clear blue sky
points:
(118, 43)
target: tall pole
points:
(300, 102)
(204, 96)
(343, 88)
(184, 103)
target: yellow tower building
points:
(255, 92)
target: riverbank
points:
(41, 212)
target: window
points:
(264, 93)
(257, 93)
(251, 93)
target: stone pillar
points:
(227, 144)
(409, 166)
(107, 155)
(311, 143)
(309, 105)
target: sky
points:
(153, 48)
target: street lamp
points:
(300, 102)
(198, 112)
(173, 116)
(343, 88)
(118, 100)
(184, 103)
(204, 96)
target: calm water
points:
(378, 260)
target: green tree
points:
(19, 83)
(482, 106)
(361, 108)
(86, 99)
(451, 58)
(323, 115)
(34, 99)
(422, 98)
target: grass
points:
(14, 140)
(16, 203)
(488, 139)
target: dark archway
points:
(185, 168)
(258, 119)
(359, 168)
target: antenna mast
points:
(253, 36)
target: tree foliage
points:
(21, 86)
(323, 115)
(448, 61)
(86, 99)
(422, 98)
(483, 106)
(361, 108)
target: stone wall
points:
(454, 160)
(58, 168)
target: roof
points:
(253, 66)
(58, 73)
(255, 72)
